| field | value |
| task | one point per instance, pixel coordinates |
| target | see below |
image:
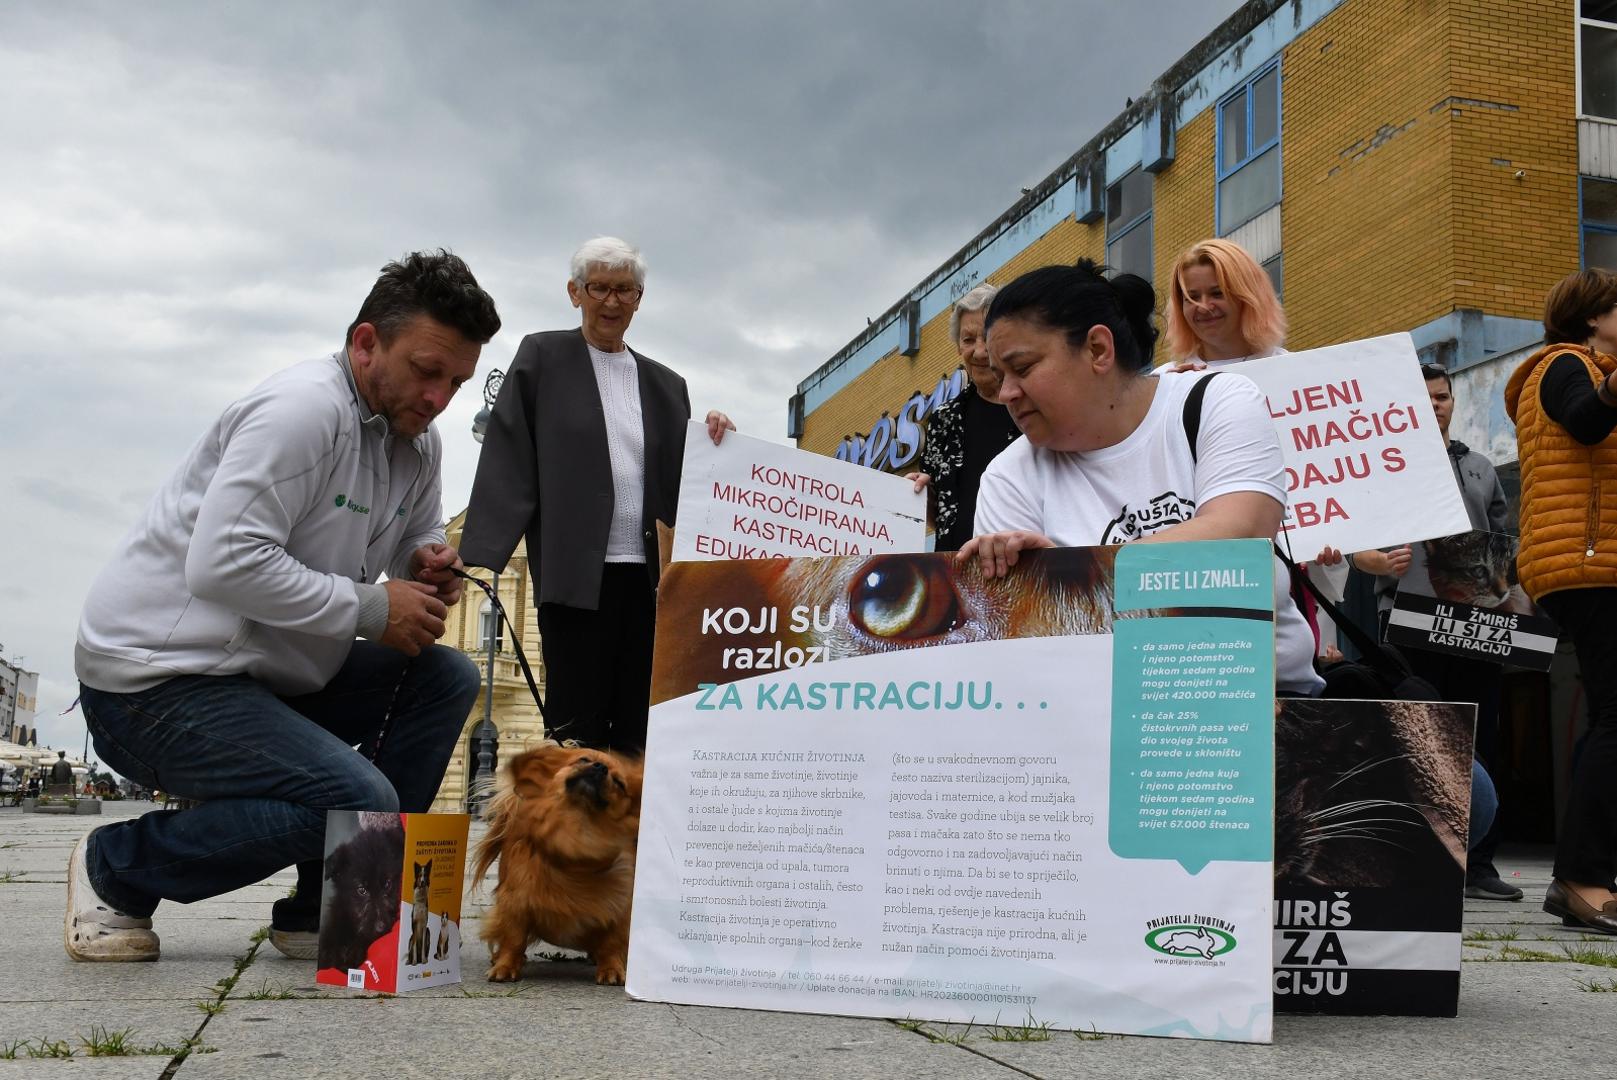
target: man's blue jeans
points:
(266, 769)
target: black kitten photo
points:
(360, 902)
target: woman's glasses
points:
(626, 294)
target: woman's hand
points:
(998, 552)
(1329, 556)
(1191, 364)
(919, 479)
(717, 425)
(1394, 563)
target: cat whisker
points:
(1348, 827)
(1366, 766)
(1359, 823)
(1367, 839)
(1354, 806)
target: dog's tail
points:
(497, 814)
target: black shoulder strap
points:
(1371, 650)
(1193, 412)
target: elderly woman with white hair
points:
(582, 457)
(964, 435)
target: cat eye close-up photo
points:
(905, 600)
(788, 613)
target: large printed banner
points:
(1366, 466)
(751, 499)
(886, 787)
(1460, 596)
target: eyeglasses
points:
(626, 294)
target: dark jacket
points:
(953, 495)
(544, 472)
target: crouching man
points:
(217, 651)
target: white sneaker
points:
(93, 930)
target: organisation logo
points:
(1197, 939)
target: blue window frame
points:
(1128, 224)
(1248, 150)
(1597, 208)
(1597, 59)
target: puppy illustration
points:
(419, 931)
(563, 823)
(442, 951)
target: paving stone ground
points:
(1537, 1000)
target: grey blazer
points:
(544, 473)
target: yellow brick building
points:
(1397, 165)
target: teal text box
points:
(1202, 574)
(1192, 741)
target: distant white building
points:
(19, 699)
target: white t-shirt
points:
(1149, 481)
(617, 376)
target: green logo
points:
(341, 499)
(1191, 939)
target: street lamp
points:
(485, 736)
(491, 391)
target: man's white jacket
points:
(260, 554)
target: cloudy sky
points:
(199, 194)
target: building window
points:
(1276, 269)
(1598, 199)
(490, 628)
(1128, 224)
(1597, 58)
(1249, 150)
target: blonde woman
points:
(1222, 308)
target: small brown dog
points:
(564, 823)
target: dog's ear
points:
(634, 773)
(429, 867)
(533, 770)
(337, 862)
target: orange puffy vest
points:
(1569, 490)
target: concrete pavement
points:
(1536, 1001)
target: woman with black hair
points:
(1106, 456)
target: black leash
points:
(516, 643)
(375, 753)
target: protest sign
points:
(390, 900)
(1460, 596)
(750, 499)
(961, 800)
(1372, 813)
(1362, 447)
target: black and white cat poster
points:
(1461, 596)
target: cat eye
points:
(904, 600)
